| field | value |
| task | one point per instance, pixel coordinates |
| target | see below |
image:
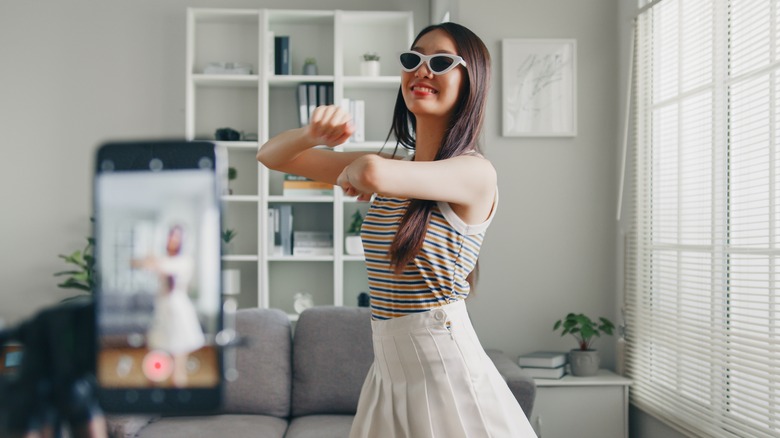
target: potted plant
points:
(232, 174)
(227, 236)
(370, 64)
(82, 276)
(584, 360)
(310, 66)
(352, 243)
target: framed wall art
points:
(539, 88)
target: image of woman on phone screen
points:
(422, 235)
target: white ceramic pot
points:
(369, 68)
(353, 245)
(231, 281)
(584, 362)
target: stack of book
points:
(543, 364)
(295, 185)
(312, 243)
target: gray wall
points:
(551, 249)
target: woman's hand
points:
(330, 126)
(349, 189)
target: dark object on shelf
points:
(282, 55)
(363, 300)
(227, 134)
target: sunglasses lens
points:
(440, 63)
(409, 60)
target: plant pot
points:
(369, 68)
(310, 69)
(584, 362)
(353, 245)
(231, 281)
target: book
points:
(285, 228)
(274, 232)
(295, 185)
(282, 55)
(545, 373)
(312, 243)
(542, 359)
(322, 94)
(271, 60)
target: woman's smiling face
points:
(427, 94)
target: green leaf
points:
(557, 325)
(58, 274)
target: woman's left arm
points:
(467, 182)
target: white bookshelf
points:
(265, 104)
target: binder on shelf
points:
(282, 55)
(303, 106)
(312, 98)
(285, 228)
(322, 94)
(542, 359)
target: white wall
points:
(551, 249)
(74, 74)
(80, 72)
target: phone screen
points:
(158, 310)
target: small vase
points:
(369, 68)
(584, 362)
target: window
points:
(702, 311)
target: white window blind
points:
(702, 308)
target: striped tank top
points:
(436, 276)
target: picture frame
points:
(539, 87)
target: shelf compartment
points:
(286, 279)
(221, 107)
(222, 35)
(391, 82)
(355, 281)
(241, 217)
(244, 186)
(311, 36)
(358, 32)
(248, 284)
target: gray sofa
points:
(306, 386)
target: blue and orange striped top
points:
(436, 276)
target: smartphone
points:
(158, 303)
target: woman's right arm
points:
(293, 151)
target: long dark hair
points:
(461, 136)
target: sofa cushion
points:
(264, 369)
(332, 353)
(520, 383)
(221, 426)
(320, 426)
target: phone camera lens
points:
(156, 164)
(205, 163)
(107, 166)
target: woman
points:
(421, 235)
(175, 327)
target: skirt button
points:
(438, 315)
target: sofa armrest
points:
(127, 426)
(520, 383)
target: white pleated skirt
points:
(432, 378)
